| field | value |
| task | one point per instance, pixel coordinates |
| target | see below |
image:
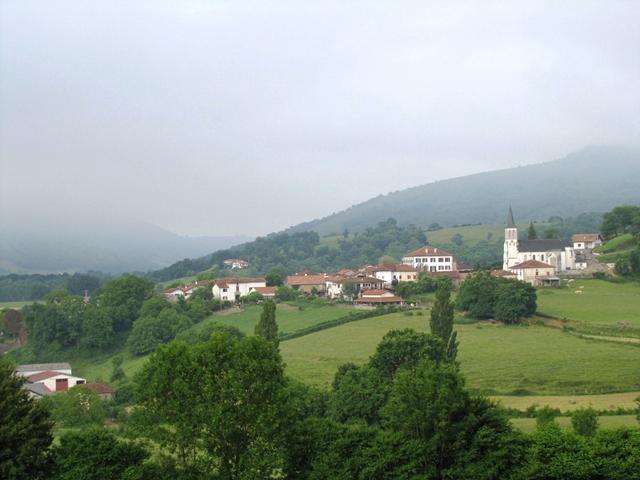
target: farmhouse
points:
(103, 390)
(267, 292)
(236, 263)
(308, 282)
(392, 273)
(231, 289)
(336, 283)
(431, 259)
(54, 381)
(35, 368)
(536, 273)
(185, 291)
(557, 253)
(378, 297)
(586, 241)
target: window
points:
(433, 259)
(440, 259)
(224, 290)
(80, 382)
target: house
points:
(172, 294)
(56, 381)
(504, 274)
(236, 263)
(536, 273)
(306, 282)
(586, 241)
(231, 289)
(268, 293)
(392, 273)
(35, 368)
(431, 259)
(103, 390)
(582, 262)
(335, 284)
(558, 253)
(378, 297)
(37, 390)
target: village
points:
(538, 262)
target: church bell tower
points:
(510, 257)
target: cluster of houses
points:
(538, 262)
(44, 379)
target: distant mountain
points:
(109, 245)
(592, 180)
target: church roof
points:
(510, 222)
(531, 264)
(542, 245)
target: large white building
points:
(431, 259)
(557, 253)
(232, 289)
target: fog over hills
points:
(594, 179)
(111, 245)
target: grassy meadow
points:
(16, 305)
(600, 303)
(528, 425)
(495, 359)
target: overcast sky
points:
(223, 117)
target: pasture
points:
(607, 422)
(16, 305)
(600, 303)
(496, 360)
(568, 403)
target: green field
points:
(568, 403)
(600, 303)
(471, 234)
(621, 242)
(495, 359)
(528, 425)
(290, 318)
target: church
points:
(557, 253)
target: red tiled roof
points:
(502, 273)
(464, 266)
(374, 292)
(305, 280)
(586, 237)
(392, 267)
(531, 264)
(229, 280)
(451, 274)
(100, 388)
(429, 252)
(38, 377)
(266, 290)
(342, 280)
(379, 300)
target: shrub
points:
(585, 422)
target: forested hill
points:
(595, 179)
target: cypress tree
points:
(441, 322)
(267, 326)
(532, 232)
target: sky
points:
(246, 117)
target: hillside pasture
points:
(495, 359)
(606, 422)
(600, 303)
(471, 234)
(568, 403)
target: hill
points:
(595, 179)
(113, 245)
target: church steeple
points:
(510, 222)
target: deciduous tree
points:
(267, 327)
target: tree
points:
(117, 373)
(532, 234)
(13, 322)
(459, 436)
(514, 300)
(350, 290)
(441, 322)
(585, 421)
(96, 454)
(123, 299)
(477, 295)
(457, 239)
(216, 405)
(79, 283)
(25, 430)
(551, 232)
(267, 327)
(275, 278)
(76, 407)
(149, 332)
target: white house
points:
(586, 241)
(231, 289)
(431, 259)
(392, 274)
(336, 284)
(558, 253)
(267, 292)
(236, 263)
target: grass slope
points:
(495, 359)
(601, 303)
(528, 425)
